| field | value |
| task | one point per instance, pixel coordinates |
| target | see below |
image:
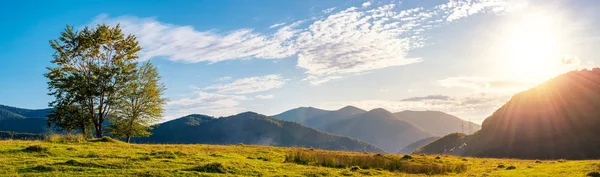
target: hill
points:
(120, 159)
(417, 144)
(556, 119)
(250, 128)
(322, 121)
(379, 127)
(301, 114)
(435, 122)
(8, 112)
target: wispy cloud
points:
(265, 96)
(353, 40)
(184, 43)
(486, 85)
(226, 78)
(204, 103)
(249, 85)
(329, 10)
(366, 4)
(428, 97)
(277, 25)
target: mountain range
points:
(250, 128)
(23, 120)
(556, 119)
(389, 131)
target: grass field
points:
(40, 158)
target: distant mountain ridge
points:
(250, 128)
(380, 128)
(559, 118)
(15, 119)
(9, 112)
(437, 123)
(418, 124)
(416, 145)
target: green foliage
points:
(65, 138)
(593, 174)
(121, 159)
(210, 168)
(141, 105)
(91, 68)
(367, 161)
(36, 148)
(511, 167)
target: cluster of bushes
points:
(406, 164)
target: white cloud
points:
(329, 10)
(184, 43)
(354, 40)
(485, 84)
(226, 78)
(277, 25)
(319, 80)
(265, 96)
(366, 4)
(204, 103)
(250, 85)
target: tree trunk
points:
(99, 131)
(128, 139)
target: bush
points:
(36, 148)
(354, 168)
(538, 161)
(593, 174)
(366, 161)
(438, 158)
(501, 166)
(164, 154)
(65, 138)
(106, 139)
(39, 168)
(511, 167)
(210, 168)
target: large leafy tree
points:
(141, 106)
(91, 68)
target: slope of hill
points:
(250, 128)
(380, 128)
(321, 121)
(435, 122)
(23, 120)
(8, 112)
(300, 114)
(120, 159)
(556, 119)
(417, 144)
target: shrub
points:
(501, 166)
(438, 158)
(106, 139)
(465, 160)
(36, 148)
(65, 138)
(354, 168)
(538, 161)
(39, 168)
(593, 174)
(210, 168)
(164, 154)
(511, 167)
(365, 161)
(407, 157)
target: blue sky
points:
(224, 57)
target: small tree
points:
(141, 106)
(91, 67)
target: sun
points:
(533, 45)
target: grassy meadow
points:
(114, 158)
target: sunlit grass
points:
(117, 158)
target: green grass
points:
(120, 159)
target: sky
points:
(219, 58)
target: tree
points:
(141, 106)
(91, 67)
